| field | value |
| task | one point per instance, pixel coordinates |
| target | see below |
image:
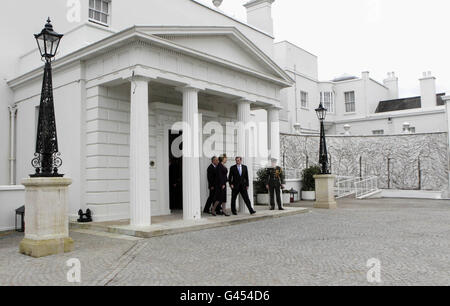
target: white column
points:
(243, 116)
(191, 155)
(446, 100)
(273, 124)
(12, 156)
(140, 205)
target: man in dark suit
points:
(239, 183)
(211, 185)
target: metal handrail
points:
(348, 185)
(344, 186)
(366, 186)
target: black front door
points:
(176, 170)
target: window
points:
(350, 102)
(99, 11)
(327, 99)
(378, 132)
(412, 130)
(304, 99)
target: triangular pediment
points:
(223, 47)
(223, 43)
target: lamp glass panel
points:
(41, 45)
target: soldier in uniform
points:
(275, 182)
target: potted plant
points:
(309, 183)
(286, 197)
(262, 194)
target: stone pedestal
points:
(325, 192)
(46, 219)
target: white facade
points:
(123, 77)
(361, 116)
(119, 89)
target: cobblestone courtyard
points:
(411, 238)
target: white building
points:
(127, 71)
(356, 105)
(122, 79)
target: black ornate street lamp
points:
(47, 157)
(323, 153)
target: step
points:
(373, 194)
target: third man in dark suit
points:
(239, 183)
(211, 172)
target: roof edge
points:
(133, 32)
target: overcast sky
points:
(351, 36)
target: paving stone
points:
(411, 238)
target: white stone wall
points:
(5, 136)
(107, 154)
(11, 198)
(368, 155)
(290, 56)
(423, 122)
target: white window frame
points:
(329, 105)
(350, 103)
(101, 12)
(304, 94)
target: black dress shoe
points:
(272, 208)
(281, 208)
(253, 212)
(235, 214)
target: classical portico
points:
(194, 161)
(167, 85)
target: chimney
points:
(392, 83)
(259, 15)
(365, 75)
(217, 3)
(428, 90)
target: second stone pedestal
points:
(46, 220)
(325, 197)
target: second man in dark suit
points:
(239, 183)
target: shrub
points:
(260, 185)
(308, 181)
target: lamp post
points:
(47, 157)
(325, 197)
(46, 191)
(323, 152)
